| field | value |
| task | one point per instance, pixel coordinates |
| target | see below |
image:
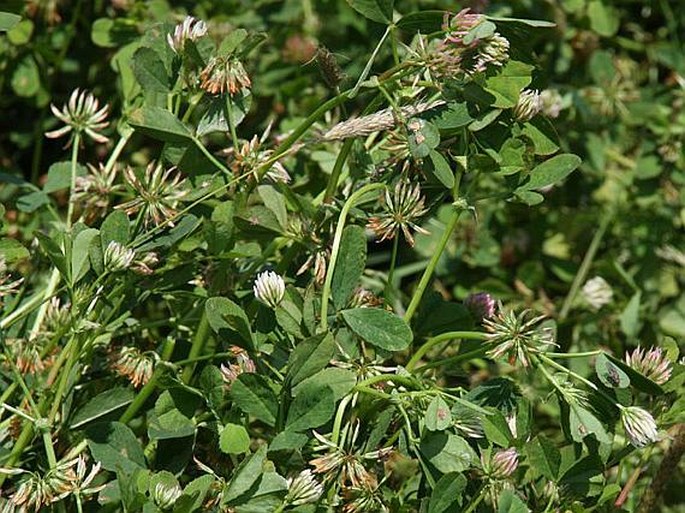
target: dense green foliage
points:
(362, 255)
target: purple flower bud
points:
(481, 305)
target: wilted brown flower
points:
(135, 366)
(224, 74)
(244, 364)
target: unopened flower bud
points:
(165, 495)
(117, 257)
(269, 288)
(303, 489)
(639, 425)
(529, 104)
(504, 463)
(654, 364)
(481, 305)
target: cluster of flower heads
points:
(37, 491)
(462, 52)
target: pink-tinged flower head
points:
(653, 364)
(82, 113)
(502, 464)
(481, 305)
(190, 29)
(639, 425)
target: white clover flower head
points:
(117, 257)
(597, 292)
(82, 113)
(552, 103)
(269, 288)
(529, 104)
(640, 426)
(653, 363)
(165, 495)
(303, 489)
(190, 29)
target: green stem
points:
(479, 498)
(476, 353)
(389, 286)
(74, 161)
(337, 169)
(211, 157)
(116, 152)
(581, 275)
(443, 337)
(382, 378)
(231, 124)
(337, 423)
(573, 355)
(356, 196)
(428, 273)
(201, 336)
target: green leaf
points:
(102, 404)
(483, 30)
(379, 328)
(288, 441)
(114, 445)
(215, 118)
(604, 20)
(551, 171)
(509, 502)
(583, 422)
(530, 23)
(541, 133)
(506, 86)
(376, 10)
(313, 407)
(222, 313)
(8, 20)
(267, 496)
(447, 493)
(54, 252)
(253, 395)
(274, 201)
(79, 253)
(160, 124)
(496, 428)
(32, 201)
(422, 21)
(441, 169)
(234, 439)
(246, 475)
(12, 250)
(59, 176)
(630, 317)
(438, 416)
(149, 71)
(350, 265)
(341, 381)
(639, 381)
(26, 78)
(232, 42)
(170, 424)
(447, 452)
(109, 33)
(310, 356)
(452, 116)
(116, 227)
(423, 137)
(544, 457)
(609, 374)
(21, 33)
